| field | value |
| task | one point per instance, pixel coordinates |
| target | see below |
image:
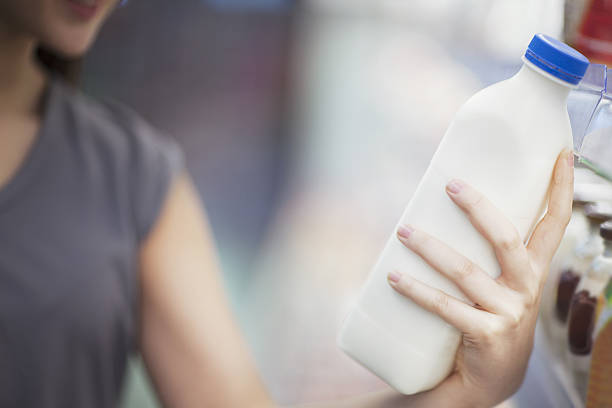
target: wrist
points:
(462, 394)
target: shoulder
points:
(111, 126)
(120, 151)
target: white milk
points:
(504, 141)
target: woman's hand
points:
(498, 329)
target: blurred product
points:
(588, 293)
(567, 265)
(584, 254)
(577, 231)
(504, 141)
(599, 392)
(563, 261)
(588, 27)
(588, 187)
(582, 323)
(578, 227)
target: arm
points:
(191, 346)
(441, 396)
(196, 356)
(190, 343)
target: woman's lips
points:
(84, 9)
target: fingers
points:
(471, 279)
(496, 228)
(464, 317)
(549, 231)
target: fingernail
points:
(404, 231)
(394, 277)
(570, 158)
(454, 186)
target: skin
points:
(498, 331)
(191, 345)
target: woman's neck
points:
(22, 81)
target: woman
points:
(105, 249)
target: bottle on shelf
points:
(599, 391)
(586, 302)
(588, 188)
(584, 254)
(564, 260)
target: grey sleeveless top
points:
(71, 221)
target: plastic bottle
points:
(584, 254)
(585, 192)
(569, 262)
(586, 304)
(504, 141)
(599, 391)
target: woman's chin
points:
(74, 53)
(70, 49)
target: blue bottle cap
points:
(557, 58)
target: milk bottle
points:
(504, 141)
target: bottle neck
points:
(607, 248)
(594, 227)
(542, 82)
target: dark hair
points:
(67, 68)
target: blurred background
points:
(306, 127)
